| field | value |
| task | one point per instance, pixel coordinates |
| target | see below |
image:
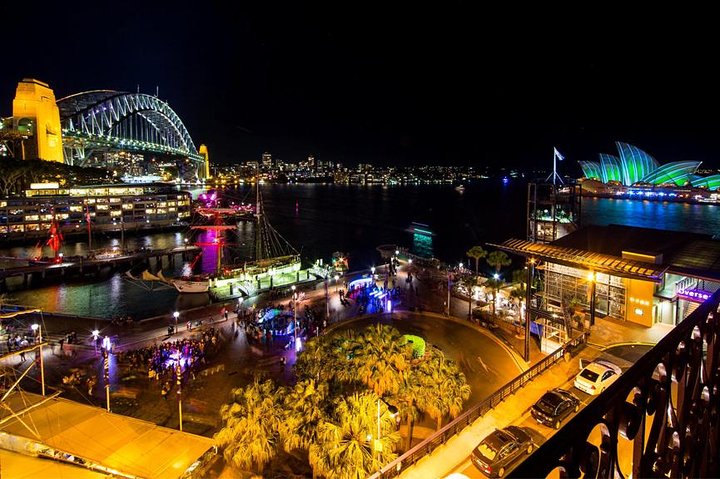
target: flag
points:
(558, 155)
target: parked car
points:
(501, 449)
(596, 376)
(554, 407)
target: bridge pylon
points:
(203, 151)
(36, 113)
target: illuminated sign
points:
(44, 186)
(696, 295)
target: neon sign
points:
(696, 295)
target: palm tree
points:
(411, 393)
(383, 361)
(250, 435)
(346, 447)
(476, 252)
(305, 409)
(469, 282)
(494, 285)
(446, 386)
(498, 259)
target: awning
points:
(601, 263)
(128, 445)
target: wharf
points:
(36, 274)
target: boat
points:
(275, 261)
(460, 188)
(420, 229)
(191, 285)
(211, 206)
(108, 208)
(187, 286)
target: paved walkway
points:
(242, 360)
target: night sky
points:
(413, 83)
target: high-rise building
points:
(267, 161)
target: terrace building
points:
(640, 275)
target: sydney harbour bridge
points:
(129, 132)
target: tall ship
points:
(117, 207)
(275, 261)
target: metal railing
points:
(664, 407)
(455, 427)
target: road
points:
(486, 363)
(623, 355)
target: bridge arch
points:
(103, 118)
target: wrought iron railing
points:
(667, 405)
(455, 427)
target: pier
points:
(79, 266)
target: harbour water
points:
(321, 219)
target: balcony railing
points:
(667, 405)
(455, 427)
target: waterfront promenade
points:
(240, 360)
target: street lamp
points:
(372, 270)
(337, 277)
(294, 298)
(591, 279)
(449, 288)
(393, 411)
(37, 330)
(95, 334)
(528, 298)
(176, 314)
(327, 299)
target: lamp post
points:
(337, 277)
(38, 331)
(528, 297)
(294, 298)
(393, 413)
(327, 299)
(591, 279)
(449, 288)
(372, 270)
(95, 334)
(178, 374)
(176, 314)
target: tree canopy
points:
(347, 385)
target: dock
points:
(34, 275)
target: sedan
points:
(596, 376)
(554, 407)
(501, 449)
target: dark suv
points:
(502, 448)
(554, 407)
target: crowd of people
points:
(161, 361)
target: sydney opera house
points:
(633, 167)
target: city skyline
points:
(398, 86)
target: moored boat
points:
(188, 286)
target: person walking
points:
(91, 381)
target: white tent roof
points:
(125, 444)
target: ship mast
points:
(258, 214)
